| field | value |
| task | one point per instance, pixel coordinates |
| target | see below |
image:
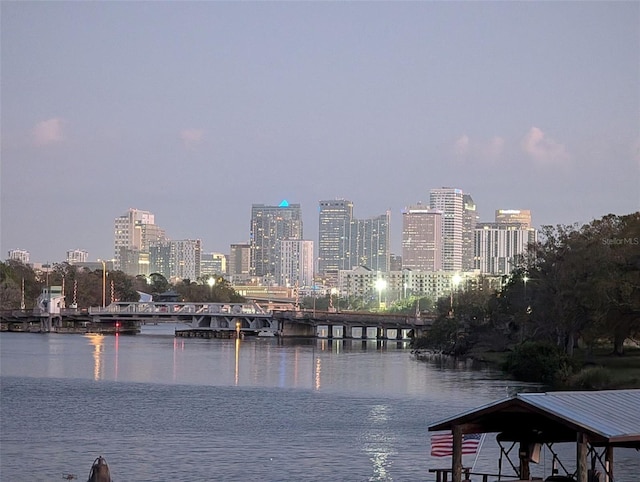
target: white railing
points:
(181, 308)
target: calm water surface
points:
(160, 408)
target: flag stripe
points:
(442, 444)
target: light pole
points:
(455, 281)
(104, 283)
(527, 309)
(211, 282)
(381, 284)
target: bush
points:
(592, 378)
(538, 362)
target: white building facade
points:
(19, 255)
(296, 263)
(422, 238)
(451, 202)
(498, 245)
(75, 256)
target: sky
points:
(197, 110)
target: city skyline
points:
(105, 107)
(135, 214)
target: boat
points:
(99, 471)
(266, 333)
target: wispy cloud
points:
(191, 137)
(461, 146)
(478, 150)
(49, 131)
(541, 148)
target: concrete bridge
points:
(252, 319)
(351, 324)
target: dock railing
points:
(445, 475)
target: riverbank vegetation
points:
(21, 284)
(567, 316)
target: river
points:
(160, 408)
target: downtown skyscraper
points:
(269, 226)
(421, 238)
(345, 242)
(450, 201)
(334, 234)
(134, 232)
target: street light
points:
(211, 282)
(455, 281)
(381, 284)
(104, 283)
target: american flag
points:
(442, 444)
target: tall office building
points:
(333, 236)
(497, 246)
(370, 243)
(469, 221)
(522, 216)
(75, 256)
(134, 232)
(296, 263)
(451, 202)
(345, 242)
(421, 238)
(269, 226)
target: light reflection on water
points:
(165, 408)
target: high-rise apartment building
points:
(497, 246)
(269, 226)
(370, 243)
(19, 255)
(160, 258)
(522, 216)
(422, 238)
(451, 202)
(134, 232)
(469, 221)
(185, 259)
(296, 263)
(345, 242)
(334, 230)
(75, 256)
(239, 259)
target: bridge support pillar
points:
(382, 335)
(348, 331)
(399, 334)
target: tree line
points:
(85, 288)
(577, 287)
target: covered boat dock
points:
(595, 421)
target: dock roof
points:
(608, 417)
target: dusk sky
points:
(197, 110)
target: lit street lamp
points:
(104, 283)
(380, 286)
(211, 282)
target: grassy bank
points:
(597, 370)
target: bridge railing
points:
(165, 309)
